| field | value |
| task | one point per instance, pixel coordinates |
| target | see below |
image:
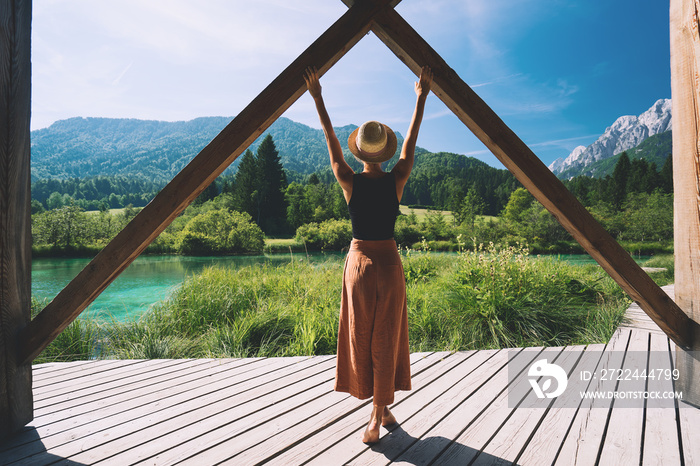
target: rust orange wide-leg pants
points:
(373, 355)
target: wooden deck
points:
(284, 411)
(636, 318)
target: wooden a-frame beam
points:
(195, 177)
(415, 52)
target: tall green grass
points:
(252, 311)
(487, 297)
(81, 340)
(497, 298)
(662, 261)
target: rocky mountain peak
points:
(625, 133)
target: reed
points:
(81, 340)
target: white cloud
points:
(567, 143)
(121, 75)
(497, 80)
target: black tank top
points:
(373, 207)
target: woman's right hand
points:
(312, 81)
(426, 79)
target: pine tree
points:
(618, 184)
(471, 206)
(245, 185)
(666, 175)
(298, 210)
(271, 207)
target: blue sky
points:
(557, 72)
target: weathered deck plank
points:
(689, 422)
(124, 409)
(622, 445)
(133, 407)
(143, 430)
(661, 441)
(79, 391)
(283, 411)
(477, 398)
(131, 400)
(513, 436)
(81, 369)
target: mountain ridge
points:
(153, 151)
(625, 133)
(158, 150)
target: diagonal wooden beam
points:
(195, 177)
(415, 52)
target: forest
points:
(467, 202)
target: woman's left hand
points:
(426, 79)
(312, 81)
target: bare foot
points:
(371, 434)
(387, 417)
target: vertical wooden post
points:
(685, 91)
(15, 230)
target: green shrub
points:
(251, 311)
(310, 235)
(406, 234)
(220, 232)
(419, 265)
(138, 341)
(331, 234)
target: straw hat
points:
(372, 142)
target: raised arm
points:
(402, 169)
(342, 171)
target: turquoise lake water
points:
(146, 281)
(150, 279)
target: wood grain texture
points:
(195, 177)
(685, 91)
(15, 224)
(410, 47)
